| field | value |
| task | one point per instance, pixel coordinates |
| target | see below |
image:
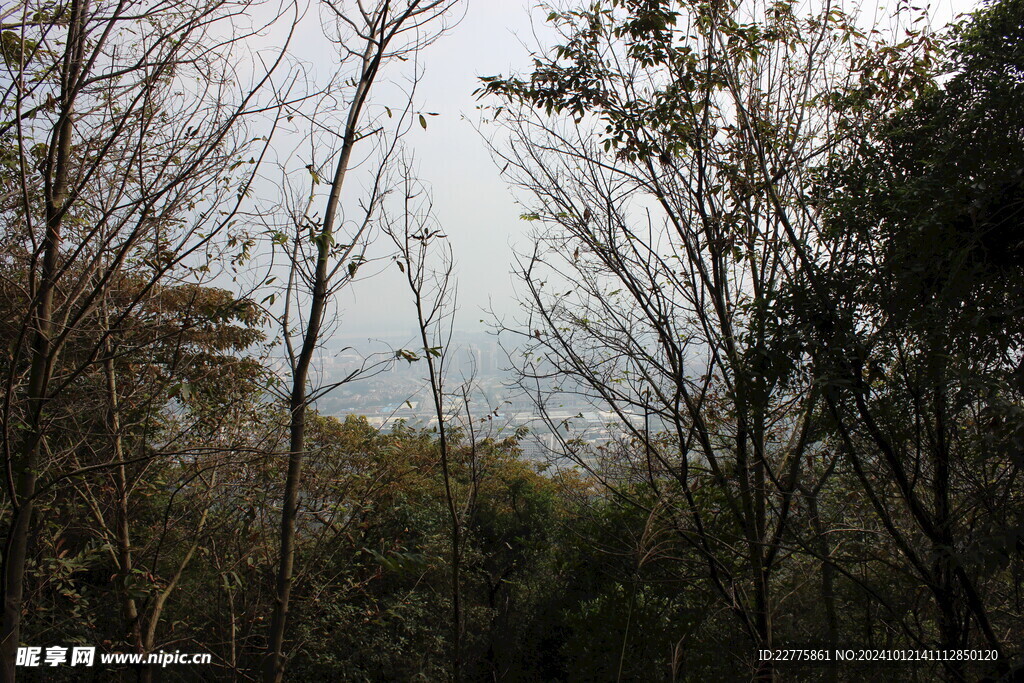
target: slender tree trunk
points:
(121, 532)
(431, 308)
(828, 596)
(455, 525)
(382, 22)
(156, 611)
(25, 470)
(952, 630)
(274, 667)
(762, 570)
(273, 671)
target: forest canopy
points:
(778, 251)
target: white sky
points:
(471, 201)
(473, 204)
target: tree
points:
(372, 37)
(672, 151)
(106, 153)
(198, 369)
(417, 237)
(914, 323)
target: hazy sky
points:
(472, 202)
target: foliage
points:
(781, 253)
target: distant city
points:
(398, 391)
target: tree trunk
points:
(273, 671)
(121, 532)
(828, 596)
(25, 469)
(381, 24)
